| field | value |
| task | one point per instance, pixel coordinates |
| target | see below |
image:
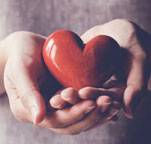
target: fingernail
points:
(54, 103)
(89, 109)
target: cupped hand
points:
(28, 83)
(135, 43)
(25, 77)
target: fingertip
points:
(57, 102)
(88, 92)
(70, 95)
(104, 103)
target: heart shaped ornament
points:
(75, 64)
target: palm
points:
(28, 64)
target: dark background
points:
(45, 16)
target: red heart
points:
(78, 65)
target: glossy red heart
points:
(76, 64)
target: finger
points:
(82, 125)
(68, 116)
(114, 110)
(117, 93)
(91, 92)
(129, 94)
(104, 103)
(93, 120)
(70, 95)
(29, 93)
(101, 120)
(111, 82)
(57, 102)
(135, 84)
(107, 106)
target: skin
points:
(131, 41)
(24, 74)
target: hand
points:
(105, 104)
(136, 42)
(106, 108)
(27, 82)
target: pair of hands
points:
(26, 77)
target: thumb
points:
(30, 95)
(135, 84)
